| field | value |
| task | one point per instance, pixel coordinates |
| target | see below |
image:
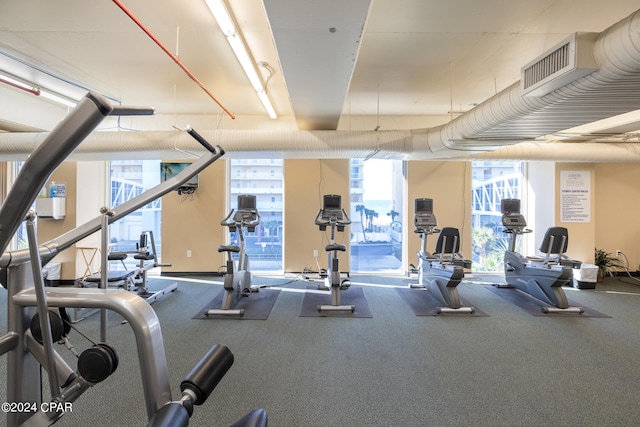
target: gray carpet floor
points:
(394, 369)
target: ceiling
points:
(330, 65)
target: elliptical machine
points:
(237, 279)
(542, 278)
(442, 271)
(335, 217)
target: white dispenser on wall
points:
(54, 206)
(51, 207)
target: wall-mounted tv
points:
(170, 169)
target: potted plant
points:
(607, 263)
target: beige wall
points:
(49, 228)
(582, 235)
(192, 222)
(615, 210)
(448, 184)
(305, 182)
(615, 200)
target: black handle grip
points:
(206, 375)
(201, 140)
(121, 110)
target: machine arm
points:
(51, 248)
(56, 147)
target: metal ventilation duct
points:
(509, 117)
(506, 119)
(620, 152)
(566, 62)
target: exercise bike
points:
(333, 216)
(539, 277)
(237, 279)
(442, 271)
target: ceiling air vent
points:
(564, 63)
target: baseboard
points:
(627, 273)
(192, 273)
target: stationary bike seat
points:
(335, 247)
(228, 248)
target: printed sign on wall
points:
(575, 196)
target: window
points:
(128, 180)
(492, 182)
(20, 239)
(376, 215)
(264, 246)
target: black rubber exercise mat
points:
(352, 296)
(257, 306)
(423, 303)
(534, 306)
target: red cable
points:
(171, 55)
(35, 91)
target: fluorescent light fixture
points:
(38, 91)
(267, 104)
(221, 14)
(57, 98)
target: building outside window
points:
(492, 182)
(266, 180)
(129, 178)
(20, 239)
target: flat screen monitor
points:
(332, 202)
(424, 205)
(510, 206)
(170, 169)
(246, 202)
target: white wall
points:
(540, 202)
(91, 195)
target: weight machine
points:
(542, 278)
(134, 280)
(33, 325)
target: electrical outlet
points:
(188, 253)
(618, 252)
(315, 253)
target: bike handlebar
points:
(426, 230)
(333, 219)
(239, 219)
(517, 230)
